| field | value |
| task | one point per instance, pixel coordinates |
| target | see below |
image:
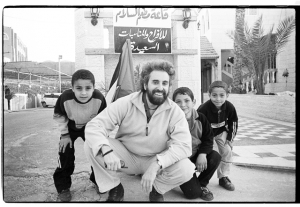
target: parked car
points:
(49, 99)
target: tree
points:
(255, 47)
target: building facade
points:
(96, 53)
(13, 48)
(217, 23)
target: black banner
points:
(143, 39)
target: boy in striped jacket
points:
(224, 121)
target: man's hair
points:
(83, 74)
(183, 91)
(218, 84)
(158, 66)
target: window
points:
(207, 19)
(203, 25)
(5, 36)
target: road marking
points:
(18, 143)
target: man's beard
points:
(157, 100)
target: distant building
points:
(217, 47)
(14, 50)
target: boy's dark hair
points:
(183, 91)
(83, 74)
(159, 66)
(219, 84)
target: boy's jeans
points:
(226, 155)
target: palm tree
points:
(255, 47)
(236, 73)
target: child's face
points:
(218, 96)
(83, 90)
(185, 102)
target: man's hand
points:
(201, 162)
(63, 144)
(111, 160)
(149, 177)
(229, 143)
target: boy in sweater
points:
(74, 108)
(224, 121)
(203, 156)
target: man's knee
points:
(185, 168)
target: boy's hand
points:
(63, 143)
(229, 143)
(201, 162)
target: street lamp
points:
(59, 77)
(95, 14)
(186, 13)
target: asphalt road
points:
(30, 158)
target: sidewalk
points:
(277, 156)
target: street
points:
(30, 158)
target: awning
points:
(207, 50)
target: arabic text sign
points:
(142, 17)
(143, 39)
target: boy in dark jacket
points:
(224, 121)
(203, 156)
(74, 108)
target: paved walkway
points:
(264, 142)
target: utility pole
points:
(59, 58)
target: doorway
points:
(205, 76)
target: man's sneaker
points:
(206, 194)
(116, 194)
(226, 183)
(65, 195)
(154, 196)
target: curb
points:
(31, 109)
(269, 167)
(290, 124)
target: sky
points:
(50, 32)
(46, 32)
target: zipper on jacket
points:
(147, 129)
(219, 112)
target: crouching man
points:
(153, 138)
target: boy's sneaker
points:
(206, 194)
(65, 195)
(226, 183)
(116, 194)
(154, 196)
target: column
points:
(187, 66)
(89, 36)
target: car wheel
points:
(44, 104)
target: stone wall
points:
(282, 108)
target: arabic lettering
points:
(143, 13)
(151, 36)
(145, 48)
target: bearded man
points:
(153, 138)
